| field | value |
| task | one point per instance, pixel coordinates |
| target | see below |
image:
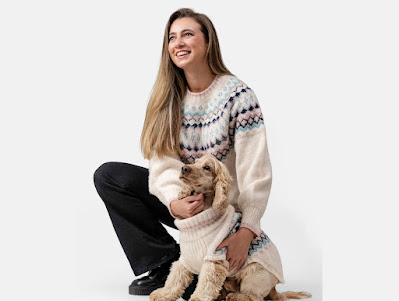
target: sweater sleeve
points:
(253, 168)
(163, 181)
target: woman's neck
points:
(199, 81)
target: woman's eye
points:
(207, 168)
(184, 34)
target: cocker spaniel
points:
(202, 233)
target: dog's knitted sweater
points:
(201, 234)
(226, 121)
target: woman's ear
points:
(223, 180)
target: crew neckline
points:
(206, 91)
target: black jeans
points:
(136, 215)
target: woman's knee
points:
(102, 173)
(101, 176)
(120, 174)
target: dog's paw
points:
(203, 298)
(184, 193)
(161, 294)
(238, 297)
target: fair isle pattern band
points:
(213, 127)
(256, 244)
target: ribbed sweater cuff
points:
(251, 219)
(170, 210)
(170, 195)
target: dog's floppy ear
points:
(223, 180)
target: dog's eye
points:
(207, 167)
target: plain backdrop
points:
(75, 79)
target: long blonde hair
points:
(162, 122)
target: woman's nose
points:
(179, 41)
(185, 169)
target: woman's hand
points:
(188, 207)
(237, 247)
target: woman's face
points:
(185, 34)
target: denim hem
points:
(166, 258)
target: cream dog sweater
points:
(226, 121)
(201, 234)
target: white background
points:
(75, 80)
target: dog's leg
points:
(232, 285)
(210, 280)
(178, 279)
(255, 284)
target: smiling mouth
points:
(184, 55)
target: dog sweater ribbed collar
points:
(205, 222)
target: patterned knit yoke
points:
(210, 125)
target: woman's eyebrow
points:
(181, 31)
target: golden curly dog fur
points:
(252, 283)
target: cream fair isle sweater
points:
(224, 120)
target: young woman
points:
(197, 107)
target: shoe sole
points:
(142, 291)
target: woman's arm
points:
(163, 181)
(253, 168)
(254, 174)
(165, 184)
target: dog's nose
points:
(185, 170)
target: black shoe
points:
(155, 279)
(190, 289)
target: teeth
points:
(182, 53)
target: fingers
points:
(232, 264)
(234, 261)
(193, 198)
(230, 260)
(190, 206)
(195, 204)
(237, 264)
(198, 197)
(195, 207)
(240, 264)
(198, 209)
(224, 243)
